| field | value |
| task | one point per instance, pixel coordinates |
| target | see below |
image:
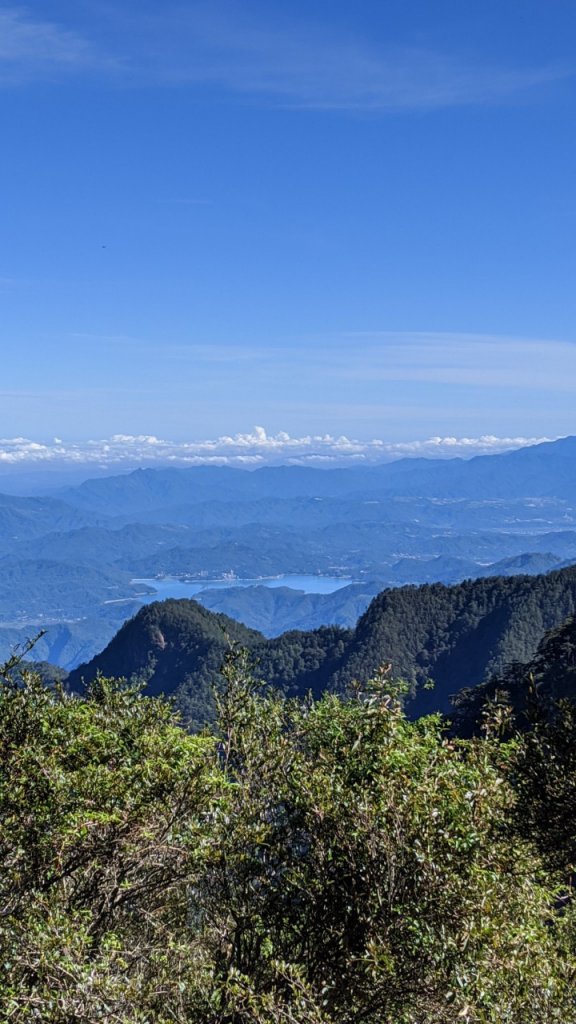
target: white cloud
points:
(249, 450)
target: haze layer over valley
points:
(80, 562)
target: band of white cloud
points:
(249, 450)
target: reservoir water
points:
(169, 586)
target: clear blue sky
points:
(345, 217)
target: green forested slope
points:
(177, 648)
(457, 636)
(530, 686)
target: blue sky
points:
(323, 217)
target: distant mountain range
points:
(544, 470)
(69, 560)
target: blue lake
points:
(171, 587)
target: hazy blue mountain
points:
(52, 478)
(43, 589)
(103, 545)
(545, 470)
(316, 513)
(530, 562)
(68, 643)
(444, 569)
(411, 521)
(275, 610)
(386, 550)
(150, 489)
(23, 519)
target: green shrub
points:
(312, 862)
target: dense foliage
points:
(176, 648)
(306, 862)
(457, 636)
(542, 696)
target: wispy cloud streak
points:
(310, 70)
(32, 48)
(306, 66)
(457, 359)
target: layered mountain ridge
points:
(73, 563)
(456, 636)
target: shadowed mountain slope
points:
(531, 687)
(458, 635)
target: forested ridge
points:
(457, 636)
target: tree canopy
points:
(304, 861)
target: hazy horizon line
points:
(246, 450)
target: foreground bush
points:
(102, 800)
(311, 863)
